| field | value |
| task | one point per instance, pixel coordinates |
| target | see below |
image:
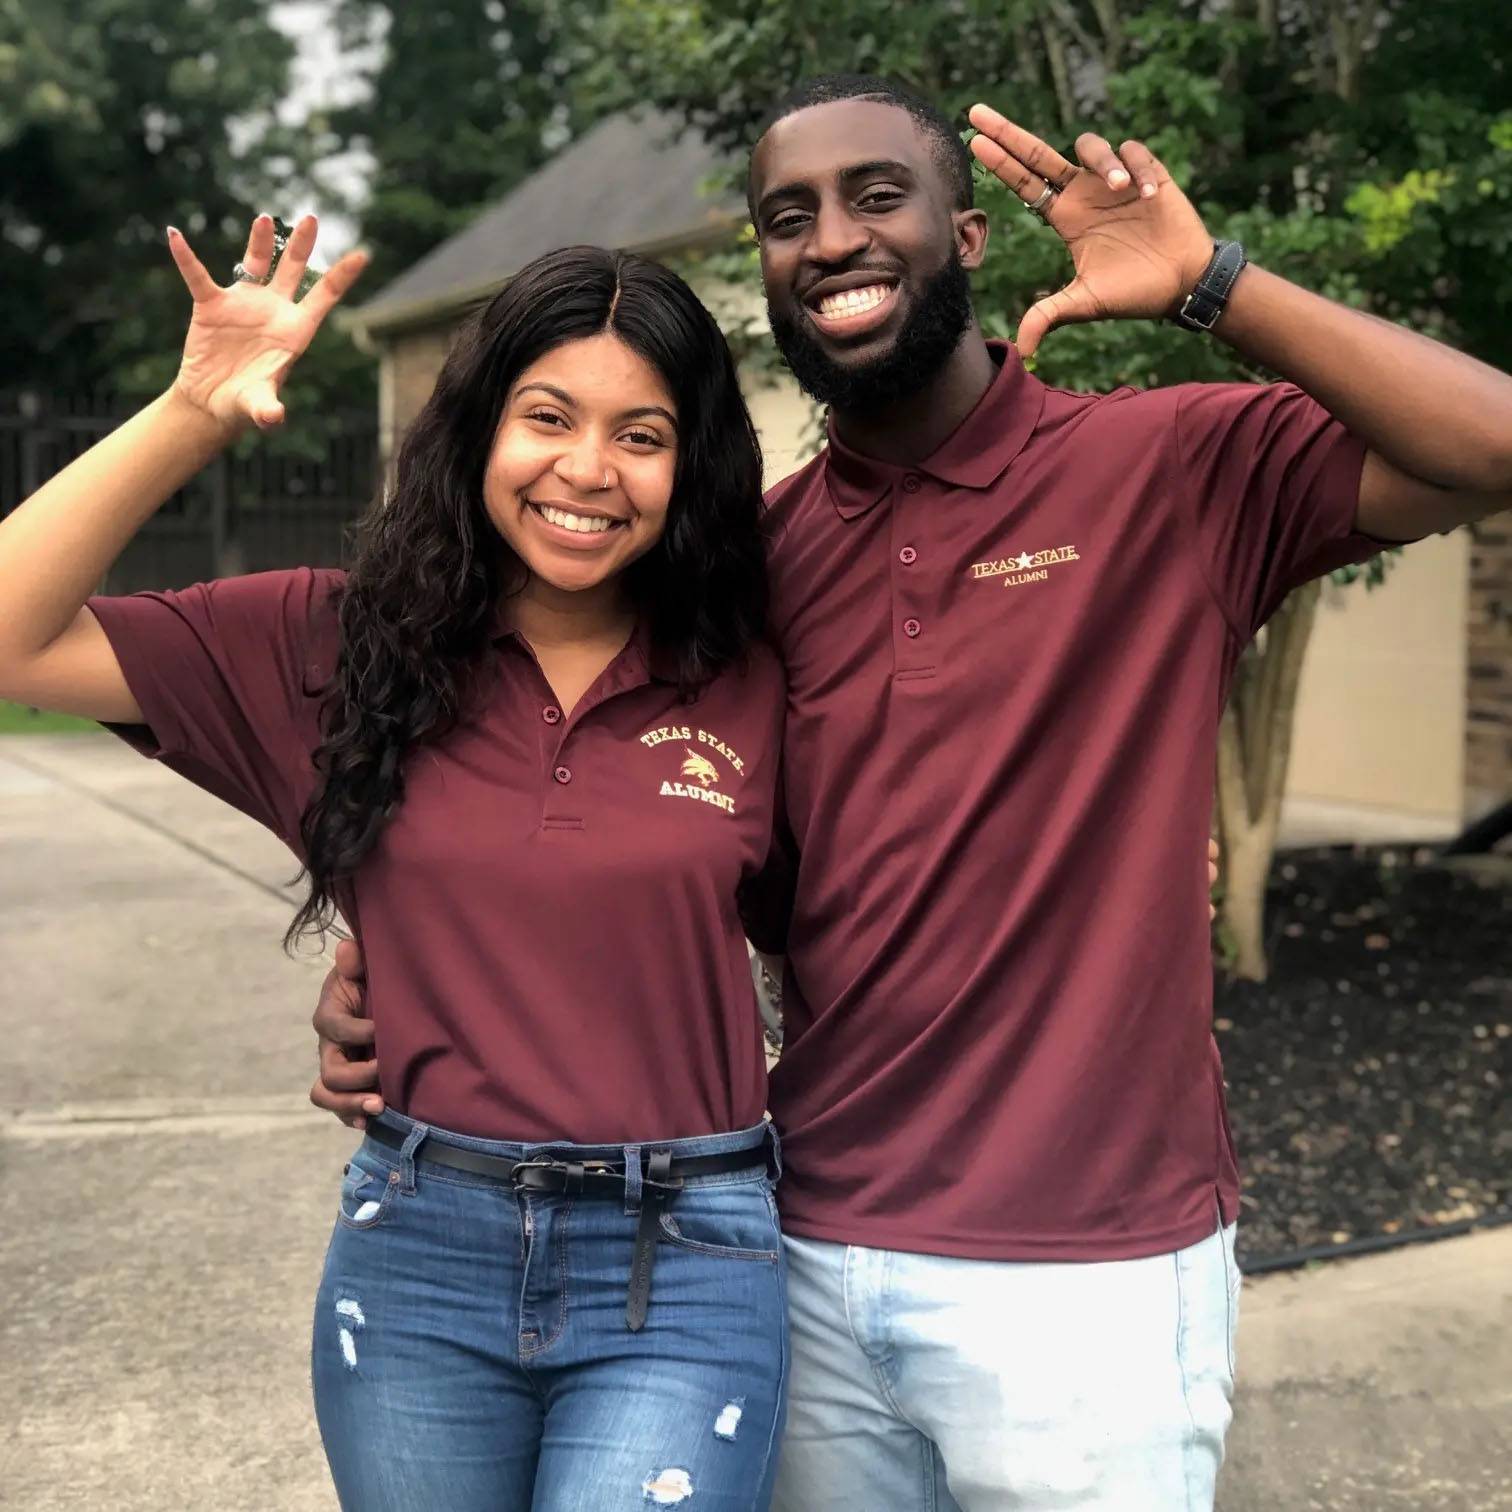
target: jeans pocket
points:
(734, 1220)
(367, 1192)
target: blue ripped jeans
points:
(471, 1352)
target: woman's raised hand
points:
(244, 339)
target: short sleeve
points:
(227, 676)
(1274, 481)
(764, 900)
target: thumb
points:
(262, 406)
(1038, 320)
(1061, 308)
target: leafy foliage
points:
(470, 98)
(117, 118)
(1362, 149)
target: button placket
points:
(909, 521)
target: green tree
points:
(469, 97)
(1360, 147)
(117, 119)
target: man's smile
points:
(851, 304)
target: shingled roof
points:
(633, 181)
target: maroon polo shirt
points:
(1005, 668)
(549, 920)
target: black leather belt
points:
(662, 1180)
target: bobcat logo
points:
(700, 767)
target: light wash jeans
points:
(922, 1383)
(471, 1352)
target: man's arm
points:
(348, 1080)
(1437, 424)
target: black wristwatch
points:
(1201, 308)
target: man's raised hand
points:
(1137, 244)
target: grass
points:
(17, 719)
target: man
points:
(1009, 615)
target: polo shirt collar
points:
(657, 661)
(975, 455)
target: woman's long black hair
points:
(419, 604)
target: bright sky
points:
(322, 76)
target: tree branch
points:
(1060, 73)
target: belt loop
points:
(412, 1142)
(773, 1153)
(632, 1180)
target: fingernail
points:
(1148, 191)
(174, 231)
(1118, 178)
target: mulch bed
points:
(1368, 1078)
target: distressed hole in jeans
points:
(349, 1313)
(728, 1421)
(667, 1487)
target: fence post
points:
(225, 549)
(29, 407)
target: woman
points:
(527, 746)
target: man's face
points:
(863, 256)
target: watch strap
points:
(1201, 308)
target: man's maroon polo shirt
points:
(1005, 672)
(549, 918)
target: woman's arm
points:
(57, 546)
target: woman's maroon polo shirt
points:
(549, 919)
(1005, 672)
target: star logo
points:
(1024, 560)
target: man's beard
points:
(930, 334)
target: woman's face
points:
(583, 460)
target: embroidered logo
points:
(1026, 567)
(699, 768)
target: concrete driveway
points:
(166, 1193)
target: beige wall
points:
(406, 375)
(1488, 733)
(1381, 709)
(786, 421)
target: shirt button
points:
(563, 775)
(911, 627)
(908, 556)
(551, 714)
(911, 483)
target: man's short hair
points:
(945, 142)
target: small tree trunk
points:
(1254, 750)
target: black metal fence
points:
(252, 509)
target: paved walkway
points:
(166, 1192)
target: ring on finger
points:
(1039, 206)
(239, 274)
